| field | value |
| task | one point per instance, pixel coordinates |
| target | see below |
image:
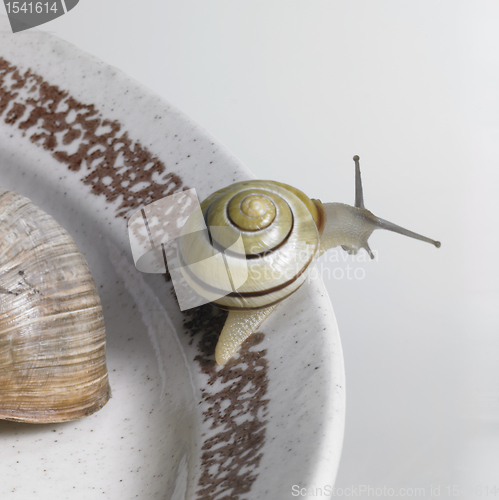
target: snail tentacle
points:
(351, 227)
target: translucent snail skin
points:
(283, 232)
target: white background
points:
(295, 89)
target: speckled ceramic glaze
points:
(89, 146)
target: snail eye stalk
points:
(359, 195)
(350, 227)
(378, 221)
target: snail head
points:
(350, 227)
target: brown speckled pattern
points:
(56, 112)
(231, 456)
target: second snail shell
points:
(52, 336)
(278, 229)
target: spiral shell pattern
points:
(260, 241)
(52, 336)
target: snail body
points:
(52, 335)
(266, 236)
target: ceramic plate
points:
(90, 147)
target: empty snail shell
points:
(282, 231)
(52, 336)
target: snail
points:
(282, 232)
(52, 336)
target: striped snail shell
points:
(265, 234)
(252, 245)
(52, 336)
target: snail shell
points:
(278, 228)
(52, 336)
